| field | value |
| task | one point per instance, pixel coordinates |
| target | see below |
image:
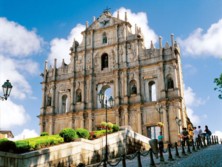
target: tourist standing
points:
(207, 134)
(160, 142)
(195, 135)
(200, 136)
(185, 136)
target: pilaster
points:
(90, 120)
(117, 117)
(126, 116)
(139, 124)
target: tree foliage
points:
(68, 134)
(82, 133)
(218, 82)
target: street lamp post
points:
(7, 87)
(111, 102)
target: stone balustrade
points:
(80, 151)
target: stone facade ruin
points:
(146, 84)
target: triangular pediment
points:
(103, 21)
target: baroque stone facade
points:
(146, 84)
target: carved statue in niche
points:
(78, 96)
(170, 84)
(106, 61)
(49, 100)
(134, 89)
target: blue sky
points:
(34, 31)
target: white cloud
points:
(60, 46)
(12, 115)
(26, 133)
(141, 20)
(219, 134)
(10, 70)
(195, 119)
(27, 65)
(16, 40)
(191, 99)
(16, 44)
(200, 43)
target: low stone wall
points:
(82, 151)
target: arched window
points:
(170, 84)
(133, 88)
(104, 38)
(64, 103)
(78, 96)
(152, 91)
(105, 93)
(104, 61)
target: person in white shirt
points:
(195, 135)
(200, 136)
(200, 130)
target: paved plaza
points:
(207, 157)
(210, 156)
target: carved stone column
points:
(126, 116)
(82, 121)
(125, 86)
(43, 99)
(53, 97)
(72, 94)
(117, 117)
(139, 123)
(175, 74)
(117, 88)
(90, 120)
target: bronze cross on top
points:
(106, 10)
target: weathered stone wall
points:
(82, 151)
(156, 73)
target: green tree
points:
(218, 82)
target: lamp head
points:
(111, 101)
(101, 96)
(7, 87)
